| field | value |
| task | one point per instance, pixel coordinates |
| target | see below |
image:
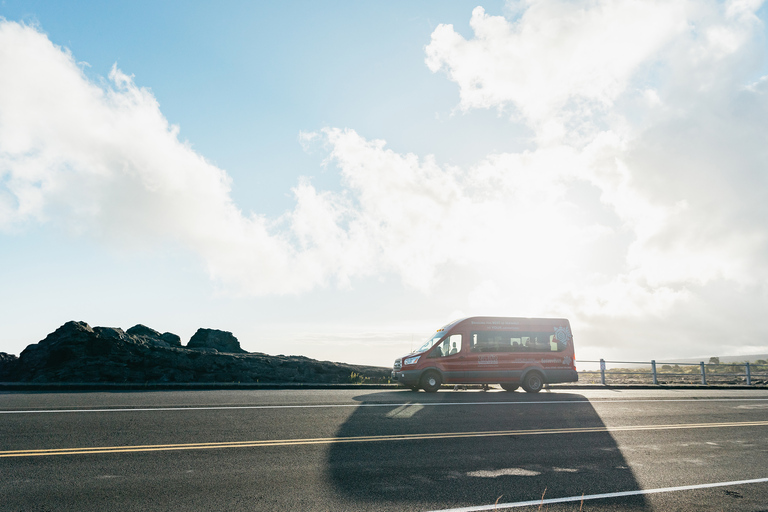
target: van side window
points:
(449, 346)
(453, 344)
(500, 341)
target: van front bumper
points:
(408, 378)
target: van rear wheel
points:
(431, 382)
(533, 382)
(509, 387)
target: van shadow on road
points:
(452, 471)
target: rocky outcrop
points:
(167, 339)
(76, 352)
(7, 364)
(221, 341)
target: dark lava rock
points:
(7, 358)
(222, 341)
(171, 339)
(7, 363)
(143, 330)
(150, 335)
(75, 352)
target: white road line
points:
(331, 406)
(550, 501)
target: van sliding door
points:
(495, 357)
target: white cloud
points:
(559, 62)
(509, 214)
(102, 161)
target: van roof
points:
(505, 322)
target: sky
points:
(338, 179)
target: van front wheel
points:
(533, 382)
(431, 382)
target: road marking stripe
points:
(550, 501)
(359, 439)
(399, 404)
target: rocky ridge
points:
(77, 352)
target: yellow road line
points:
(362, 439)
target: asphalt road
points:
(384, 450)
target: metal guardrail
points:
(740, 373)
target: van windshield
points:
(434, 338)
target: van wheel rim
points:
(432, 381)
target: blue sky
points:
(243, 80)
(338, 179)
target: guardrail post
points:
(602, 371)
(749, 376)
(703, 374)
(653, 371)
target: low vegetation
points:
(670, 374)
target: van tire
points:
(431, 382)
(509, 387)
(533, 382)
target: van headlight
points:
(411, 360)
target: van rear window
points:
(514, 341)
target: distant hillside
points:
(75, 352)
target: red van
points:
(512, 352)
